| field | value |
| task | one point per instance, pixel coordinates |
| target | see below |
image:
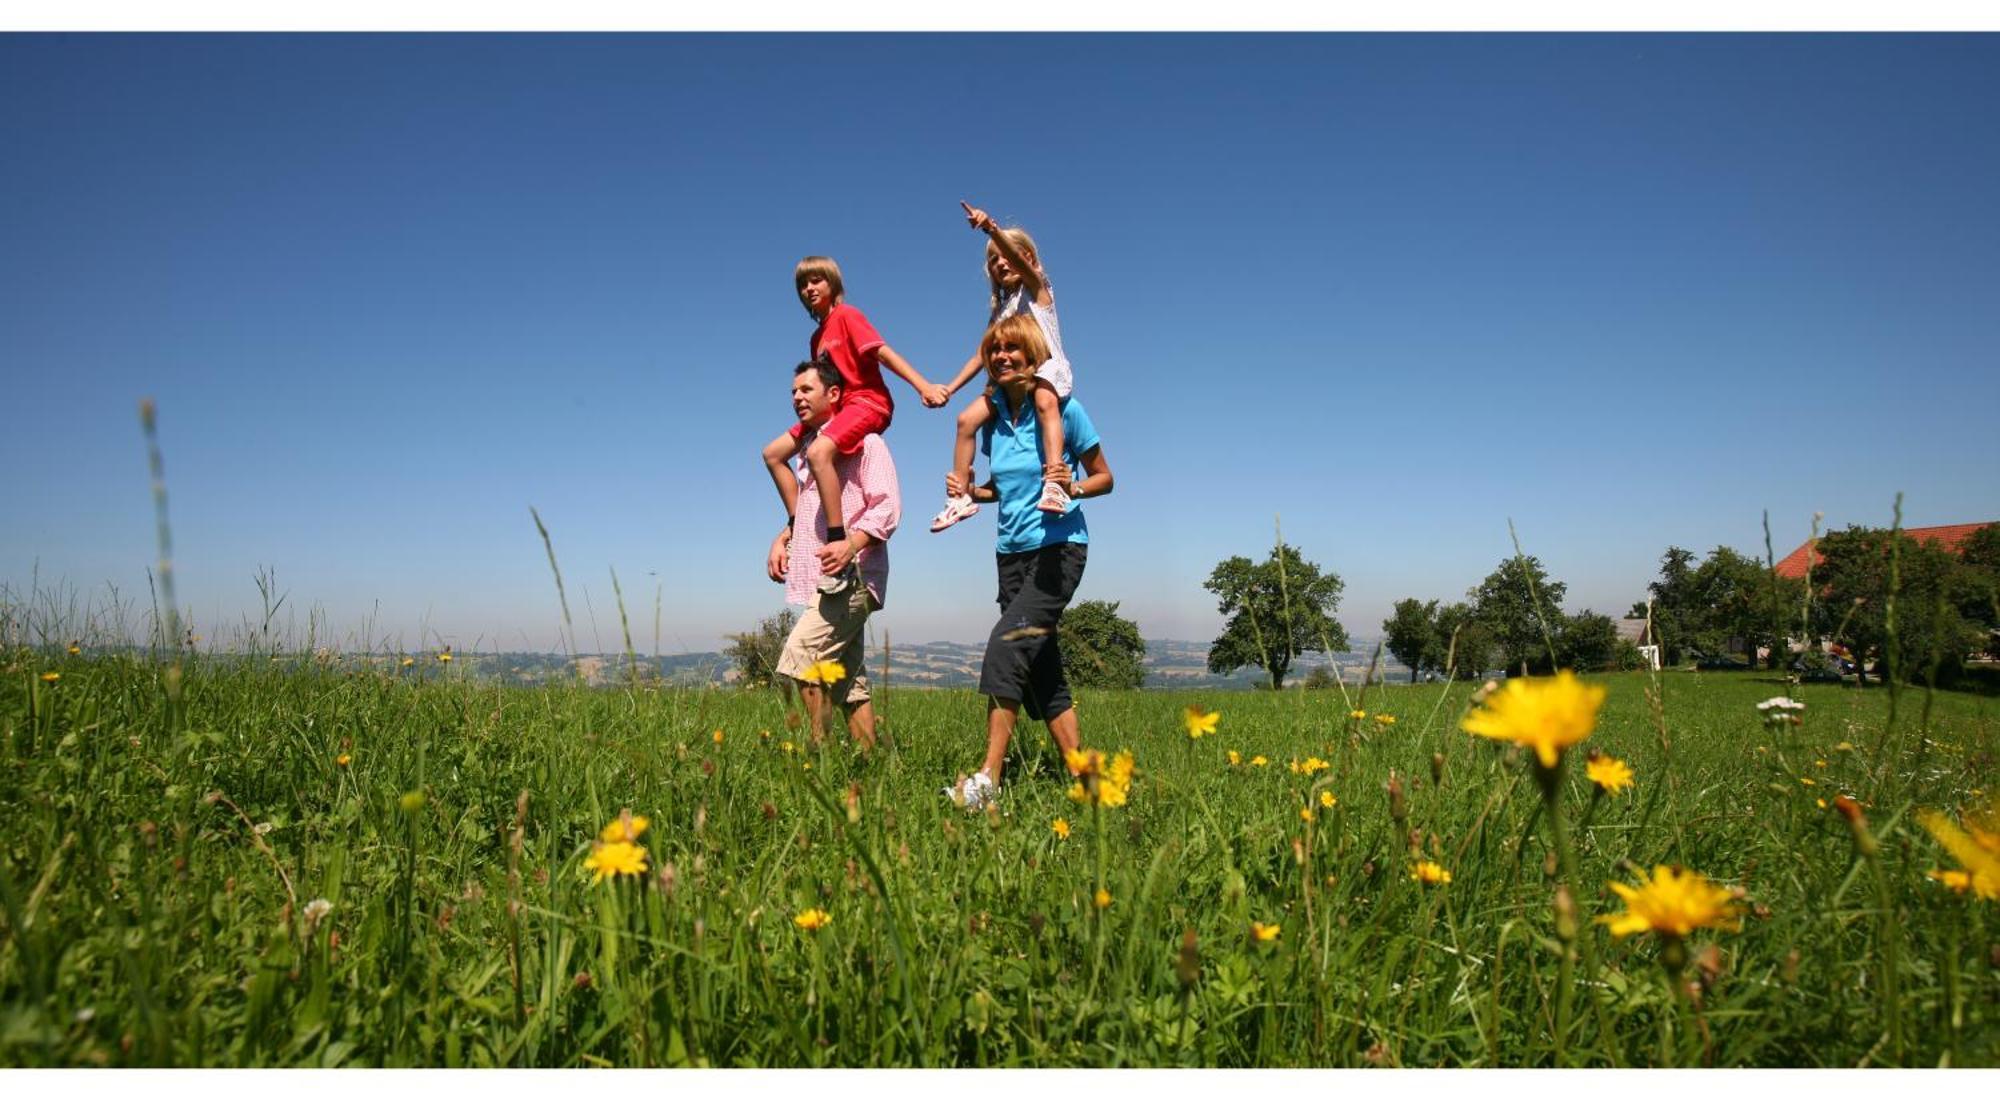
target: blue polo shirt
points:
(1013, 450)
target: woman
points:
(1040, 554)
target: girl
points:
(1020, 287)
(1040, 558)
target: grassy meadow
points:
(288, 864)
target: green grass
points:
(148, 922)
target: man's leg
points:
(861, 724)
(814, 697)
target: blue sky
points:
(390, 291)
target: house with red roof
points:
(1949, 537)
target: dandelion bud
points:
(700, 818)
(1187, 966)
(853, 803)
(1858, 825)
(411, 802)
(1789, 972)
(1298, 851)
(670, 879)
(1549, 864)
(1398, 808)
(1565, 914)
(1437, 769)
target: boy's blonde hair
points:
(1023, 243)
(821, 266)
(1023, 330)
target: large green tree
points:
(1411, 635)
(1102, 649)
(1514, 602)
(1587, 642)
(1674, 615)
(1925, 632)
(1277, 609)
(1466, 643)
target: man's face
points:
(812, 401)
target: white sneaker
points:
(973, 792)
(957, 507)
(1054, 498)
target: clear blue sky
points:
(390, 291)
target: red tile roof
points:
(1951, 537)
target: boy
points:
(845, 338)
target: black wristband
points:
(788, 523)
(835, 533)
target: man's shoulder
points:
(875, 448)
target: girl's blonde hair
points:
(1024, 331)
(818, 266)
(1023, 243)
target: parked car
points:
(1722, 662)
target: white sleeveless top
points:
(1056, 370)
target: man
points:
(841, 582)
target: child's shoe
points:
(957, 508)
(1054, 498)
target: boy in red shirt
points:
(845, 337)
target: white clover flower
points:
(261, 828)
(316, 911)
(1781, 703)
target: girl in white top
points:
(1020, 287)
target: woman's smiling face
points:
(1007, 363)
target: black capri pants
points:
(1024, 652)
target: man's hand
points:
(834, 557)
(779, 561)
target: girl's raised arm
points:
(1031, 273)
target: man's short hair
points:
(829, 377)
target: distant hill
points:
(1170, 664)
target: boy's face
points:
(813, 401)
(817, 294)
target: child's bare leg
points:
(1048, 412)
(969, 422)
(776, 456)
(819, 457)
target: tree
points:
(1673, 612)
(1466, 644)
(1930, 582)
(1276, 609)
(1412, 636)
(1513, 603)
(1588, 642)
(1102, 649)
(755, 653)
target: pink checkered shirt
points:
(873, 504)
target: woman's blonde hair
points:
(1024, 331)
(819, 266)
(1023, 243)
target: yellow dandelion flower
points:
(1808, 782)
(1294, 767)
(1820, 802)
(1674, 902)
(1955, 881)
(716, 737)
(1608, 772)
(1547, 715)
(408, 662)
(813, 919)
(75, 648)
(824, 673)
(625, 828)
(1060, 827)
(1261, 932)
(1258, 761)
(1819, 764)
(1105, 783)
(1844, 747)
(1386, 720)
(1199, 722)
(1327, 800)
(344, 759)
(1102, 900)
(1235, 757)
(1357, 714)
(51, 677)
(1429, 873)
(1976, 846)
(787, 745)
(445, 656)
(614, 859)
(1305, 813)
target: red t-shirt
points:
(846, 336)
